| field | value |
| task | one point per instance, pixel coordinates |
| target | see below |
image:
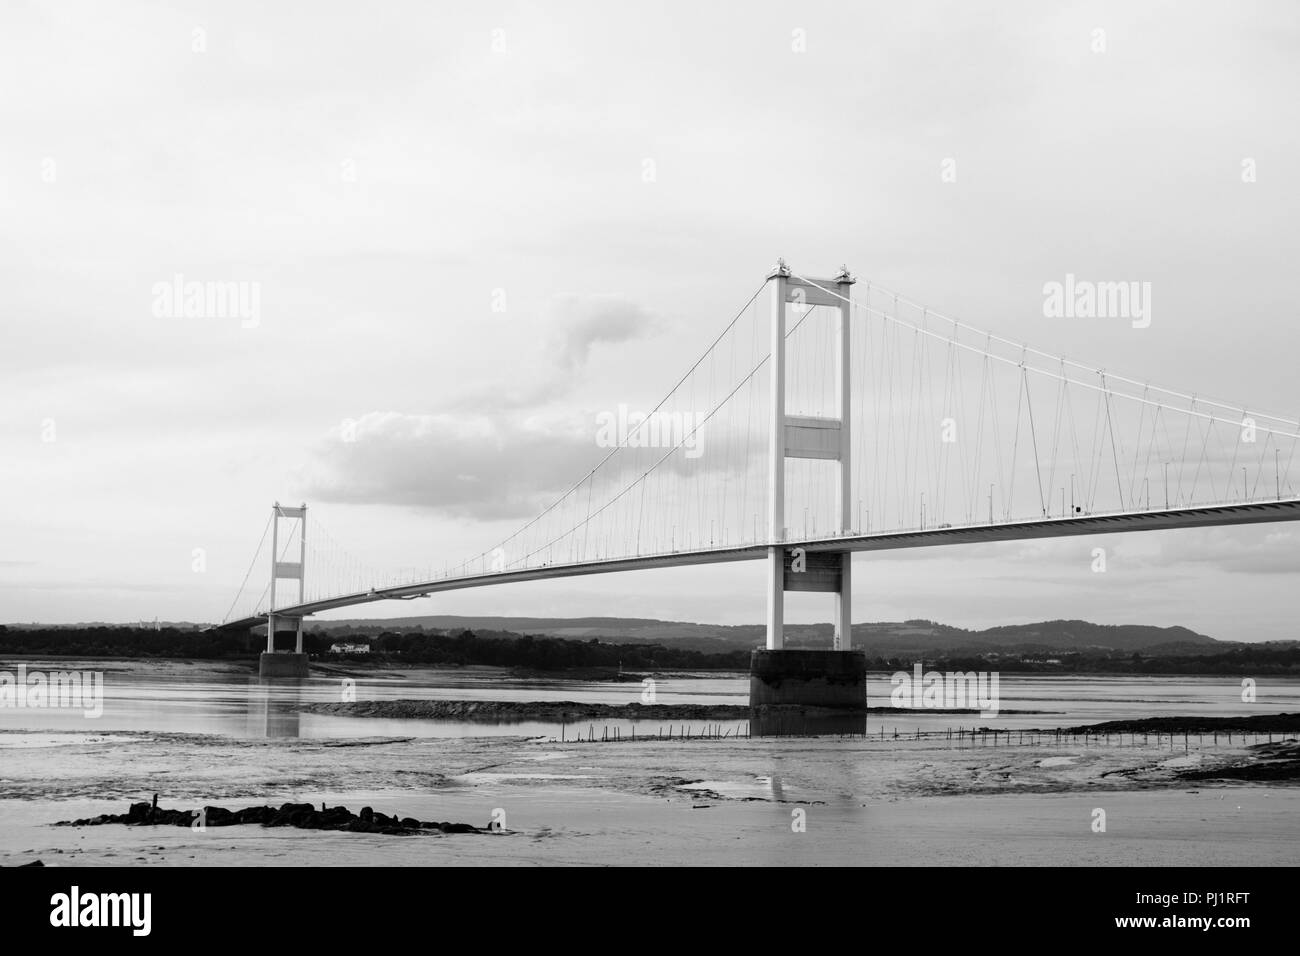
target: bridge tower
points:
(781, 678)
(289, 664)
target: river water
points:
(226, 700)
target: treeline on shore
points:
(499, 649)
(108, 641)
(503, 649)
(1253, 661)
(414, 647)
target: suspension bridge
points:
(831, 416)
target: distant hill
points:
(883, 638)
(80, 625)
(915, 638)
(1047, 636)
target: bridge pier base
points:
(807, 692)
(282, 666)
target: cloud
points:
(477, 467)
(1240, 550)
(1174, 553)
(587, 320)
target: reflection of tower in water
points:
(274, 709)
(775, 789)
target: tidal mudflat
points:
(815, 801)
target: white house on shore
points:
(349, 648)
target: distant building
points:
(349, 648)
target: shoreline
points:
(562, 711)
(566, 711)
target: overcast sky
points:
(447, 215)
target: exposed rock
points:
(557, 711)
(1253, 724)
(302, 816)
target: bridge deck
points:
(1195, 517)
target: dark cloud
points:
(484, 468)
(584, 321)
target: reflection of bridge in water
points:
(831, 418)
(275, 709)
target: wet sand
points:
(734, 802)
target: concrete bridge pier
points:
(808, 691)
(283, 666)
